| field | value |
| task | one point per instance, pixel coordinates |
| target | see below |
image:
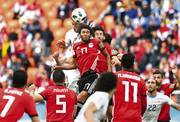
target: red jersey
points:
(166, 89)
(86, 56)
(60, 102)
(13, 103)
(130, 97)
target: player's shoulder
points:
(168, 86)
(129, 74)
(161, 95)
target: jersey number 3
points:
(62, 103)
(8, 104)
(135, 87)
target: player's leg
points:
(86, 87)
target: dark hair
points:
(19, 78)
(106, 82)
(97, 28)
(58, 76)
(127, 60)
(108, 38)
(83, 26)
(1, 86)
(157, 71)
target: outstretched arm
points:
(106, 54)
(176, 106)
(67, 64)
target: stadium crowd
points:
(31, 31)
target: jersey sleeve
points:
(168, 100)
(30, 106)
(44, 94)
(171, 87)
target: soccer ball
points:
(79, 15)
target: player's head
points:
(85, 32)
(158, 76)
(108, 38)
(58, 77)
(127, 61)
(78, 16)
(19, 78)
(98, 32)
(106, 82)
(151, 85)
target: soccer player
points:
(72, 36)
(60, 101)
(155, 100)
(166, 89)
(15, 101)
(86, 60)
(62, 57)
(130, 97)
(96, 105)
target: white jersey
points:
(154, 104)
(71, 75)
(71, 37)
(101, 101)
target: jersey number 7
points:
(8, 104)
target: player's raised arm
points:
(106, 54)
(176, 106)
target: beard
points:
(151, 90)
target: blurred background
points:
(29, 30)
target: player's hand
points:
(115, 60)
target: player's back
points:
(13, 103)
(128, 97)
(60, 103)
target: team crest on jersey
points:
(78, 47)
(90, 45)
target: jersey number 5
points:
(8, 104)
(59, 102)
(135, 87)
